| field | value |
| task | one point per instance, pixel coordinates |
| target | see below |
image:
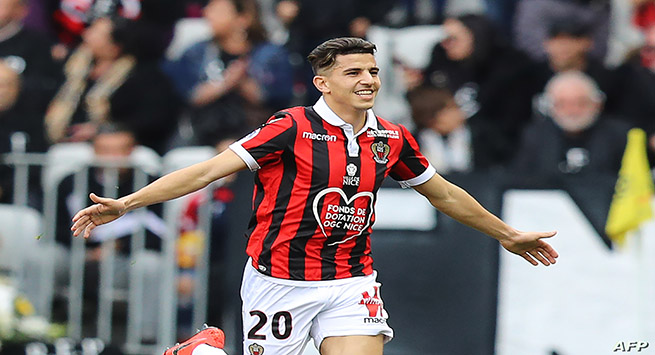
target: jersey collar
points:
(321, 107)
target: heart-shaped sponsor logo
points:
(346, 216)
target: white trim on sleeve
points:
(425, 176)
(245, 156)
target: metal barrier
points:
(143, 166)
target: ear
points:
(320, 82)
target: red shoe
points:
(208, 341)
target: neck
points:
(356, 117)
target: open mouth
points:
(364, 92)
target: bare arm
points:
(458, 204)
(168, 187)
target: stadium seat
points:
(411, 46)
(417, 213)
(63, 159)
(184, 156)
(21, 229)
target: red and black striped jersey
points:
(315, 189)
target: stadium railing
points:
(76, 159)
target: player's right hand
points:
(103, 211)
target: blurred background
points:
(544, 110)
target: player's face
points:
(353, 81)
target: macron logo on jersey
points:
(319, 137)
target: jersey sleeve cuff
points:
(425, 176)
(245, 156)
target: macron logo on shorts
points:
(374, 303)
(319, 137)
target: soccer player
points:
(318, 169)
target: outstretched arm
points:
(168, 187)
(458, 204)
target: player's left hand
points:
(531, 247)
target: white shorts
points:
(279, 316)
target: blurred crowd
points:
(69, 66)
(538, 88)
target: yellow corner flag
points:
(631, 203)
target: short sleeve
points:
(266, 144)
(412, 167)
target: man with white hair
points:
(575, 138)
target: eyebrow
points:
(360, 69)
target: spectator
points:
(416, 12)
(113, 143)
(113, 76)
(231, 78)
(640, 68)
(18, 114)
(568, 47)
(28, 52)
(486, 76)
(71, 17)
(310, 23)
(452, 143)
(534, 17)
(575, 139)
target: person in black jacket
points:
(575, 138)
(568, 46)
(19, 114)
(27, 51)
(486, 75)
(114, 76)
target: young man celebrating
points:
(318, 170)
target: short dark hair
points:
(324, 56)
(113, 128)
(569, 26)
(426, 101)
(143, 39)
